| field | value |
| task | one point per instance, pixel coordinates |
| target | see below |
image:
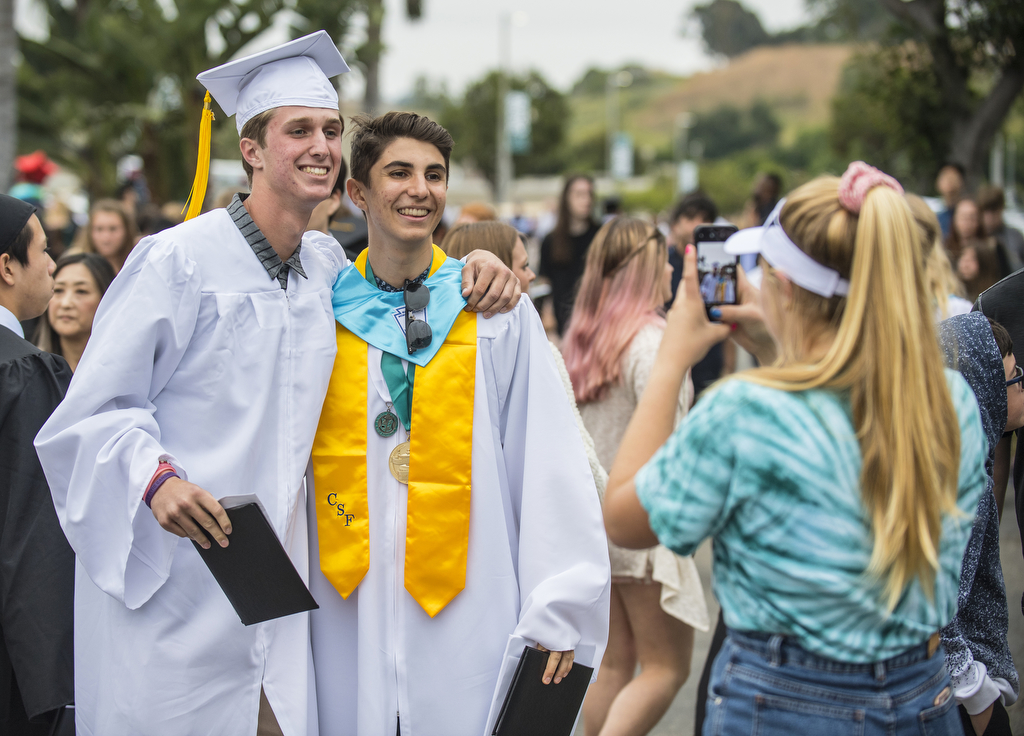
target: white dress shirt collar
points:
(8, 320)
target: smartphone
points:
(716, 269)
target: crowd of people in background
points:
(643, 367)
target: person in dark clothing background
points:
(977, 652)
(564, 250)
(692, 210)
(37, 566)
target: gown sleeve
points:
(37, 567)
(564, 572)
(101, 447)
(330, 252)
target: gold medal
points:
(398, 463)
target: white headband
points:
(783, 254)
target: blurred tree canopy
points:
(118, 76)
(727, 129)
(473, 124)
(978, 68)
(728, 28)
(889, 111)
(938, 86)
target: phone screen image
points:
(716, 272)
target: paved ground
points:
(679, 719)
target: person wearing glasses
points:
(978, 656)
(454, 518)
(839, 481)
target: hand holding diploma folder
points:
(254, 571)
(533, 708)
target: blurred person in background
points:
(657, 598)
(692, 210)
(1004, 303)
(111, 232)
(564, 250)
(949, 183)
(977, 653)
(946, 290)
(839, 484)
(153, 219)
(333, 217)
(497, 237)
(767, 190)
(476, 212)
(992, 202)
(503, 241)
(980, 261)
(37, 566)
(79, 282)
(612, 208)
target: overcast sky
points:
(457, 40)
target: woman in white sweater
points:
(657, 599)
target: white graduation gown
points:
(538, 569)
(199, 357)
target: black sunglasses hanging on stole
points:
(417, 332)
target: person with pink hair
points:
(610, 347)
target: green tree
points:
(727, 129)
(975, 48)
(728, 28)
(369, 53)
(118, 76)
(889, 112)
(473, 125)
(8, 99)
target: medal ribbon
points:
(440, 468)
(400, 383)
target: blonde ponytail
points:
(886, 356)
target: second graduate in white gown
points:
(537, 570)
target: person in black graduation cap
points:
(37, 565)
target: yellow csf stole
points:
(440, 467)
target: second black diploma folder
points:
(254, 570)
(532, 708)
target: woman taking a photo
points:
(657, 599)
(839, 484)
(79, 282)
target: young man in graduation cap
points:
(204, 378)
(37, 566)
(454, 518)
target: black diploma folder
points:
(532, 708)
(254, 570)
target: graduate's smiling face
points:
(407, 191)
(301, 159)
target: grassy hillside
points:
(797, 81)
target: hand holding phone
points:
(716, 269)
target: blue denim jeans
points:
(767, 685)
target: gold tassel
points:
(194, 204)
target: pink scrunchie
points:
(859, 179)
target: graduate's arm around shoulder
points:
(563, 568)
(488, 285)
(102, 445)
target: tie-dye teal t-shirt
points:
(774, 478)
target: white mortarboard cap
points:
(776, 247)
(292, 74)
